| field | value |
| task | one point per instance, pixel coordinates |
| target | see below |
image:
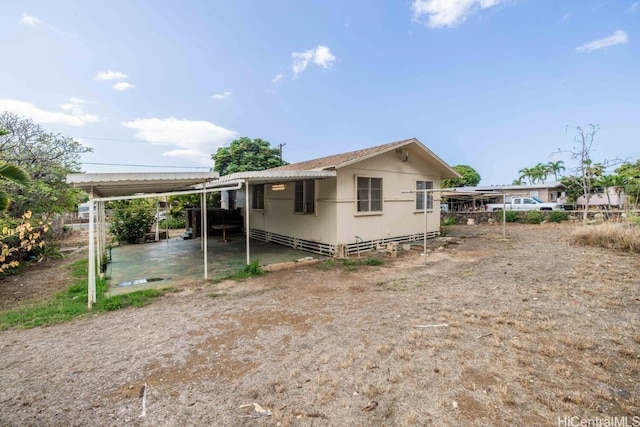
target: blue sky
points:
(488, 83)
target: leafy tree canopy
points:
(246, 154)
(10, 173)
(470, 177)
(47, 158)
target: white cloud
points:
(72, 113)
(29, 20)
(566, 17)
(277, 78)
(110, 75)
(448, 13)
(222, 95)
(634, 7)
(195, 140)
(122, 86)
(320, 55)
(619, 37)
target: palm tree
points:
(519, 181)
(525, 173)
(555, 168)
(539, 173)
(11, 173)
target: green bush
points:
(509, 216)
(557, 216)
(173, 223)
(534, 217)
(450, 220)
(131, 222)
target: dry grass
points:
(532, 336)
(622, 237)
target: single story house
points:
(344, 203)
(335, 205)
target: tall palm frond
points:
(15, 174)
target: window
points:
(424, 185)
(257, 196)
(369, 193)
(534, 194)
(232, 199)
(304, 199)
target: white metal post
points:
(247, 208)
(92, 257)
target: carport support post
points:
(92, 257)
(247, 208)
(204, 233)
(504, 216)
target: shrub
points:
(173, 223)
(557, 216)
(450, 220)
(534, 217)
(130, 223)
(509, 216)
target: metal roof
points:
(128, 184)
(271, 175)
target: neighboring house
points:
(545, 191)
(340, 204)
(474, 198)
(603, 199)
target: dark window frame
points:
(257, 196)
(304, 197)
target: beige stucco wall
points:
(336, 220)
(278, 215)
(398, 217)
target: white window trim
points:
(369, 212)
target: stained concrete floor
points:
(166, 261)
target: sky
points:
(499, 85)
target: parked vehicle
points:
(83, 211)
(523, 204)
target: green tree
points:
(246, 154)
(555, 168)
(629, 179)
(47, 158)
(539, 173)
(10, 173)
(470, 178)
(131, 219)
(526, 173)
(519, 181)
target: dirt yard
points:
(525, 331)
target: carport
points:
(106, 187)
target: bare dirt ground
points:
(525, 331)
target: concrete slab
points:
(159, 264)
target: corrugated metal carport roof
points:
(128, 184)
